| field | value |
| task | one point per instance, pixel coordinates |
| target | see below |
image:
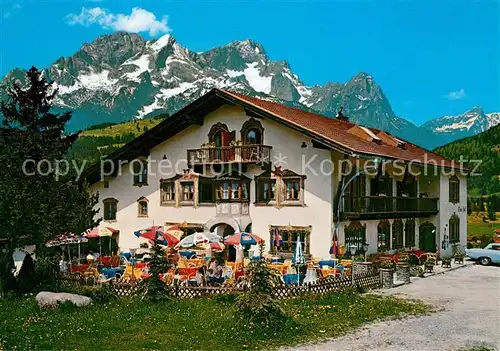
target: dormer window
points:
(252, 132)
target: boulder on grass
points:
(51, 299)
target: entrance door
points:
(427, 237)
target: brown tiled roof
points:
(335, 131)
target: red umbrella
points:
(243, 239)
(334, 249)
(163, 238)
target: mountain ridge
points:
(122, 76)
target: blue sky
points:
(432, 58)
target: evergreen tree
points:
(156, 289)
(37, 203)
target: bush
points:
(260, 309)
(98, 294)
(47, 271)
(417, 271)
(258, 306)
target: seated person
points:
(199, 278)
(215, 272)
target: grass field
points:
(199, 324)
(476, 226)
(134, 127)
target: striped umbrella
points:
(199, 238)
(99, 232)
(243, 239)
(162, 238)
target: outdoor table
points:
(277, 260)
(332, 271)
(187, 254)
(111, 272)
(291, 279)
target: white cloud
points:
(456, 95)
(139, 20)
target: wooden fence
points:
(369, 280)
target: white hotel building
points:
(229, 161)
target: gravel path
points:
(469, 316)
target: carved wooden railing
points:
(230, 154)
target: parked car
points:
(490, 254)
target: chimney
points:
(341, 116)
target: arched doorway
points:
(224, 230)
(427, 237)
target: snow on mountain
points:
(123, 76)
(471, 122)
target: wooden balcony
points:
(379, 207)
(230, 154)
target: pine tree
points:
(156, 289)
(35, 206)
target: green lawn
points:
(135, 127)
(483, 231)
(198, 324)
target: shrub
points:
(387, 264)
(416, 271)
(260, 309)
(98, 294)
(47, 271)
(258, 306)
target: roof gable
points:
(330, 132)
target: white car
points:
(490, 254)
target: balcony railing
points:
(230, 154)
(387, 206)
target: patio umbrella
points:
(298, 257)
(243, 239)
(218, 247)
(199, 238)
(98, 232)
(67, 239)
(334, 249)
(174, 230)
(153, 234)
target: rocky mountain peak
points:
(123, 76)
(476, 110)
